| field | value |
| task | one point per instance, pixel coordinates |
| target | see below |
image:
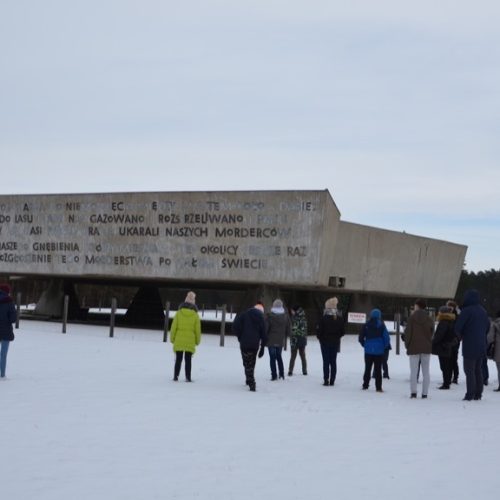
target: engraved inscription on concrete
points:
(266, 237)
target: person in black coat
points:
(8, 316)
(250, 329)
(455, 371)
(443, 342)
(329, 330)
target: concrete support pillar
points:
(51, 302)
(263, 293)
(146, 308)
(361, 302)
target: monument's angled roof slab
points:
(284, 238)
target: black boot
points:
(497, 390)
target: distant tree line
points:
(488, 285)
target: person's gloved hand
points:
(261, 351)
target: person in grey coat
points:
(494, 337)
(278, 329)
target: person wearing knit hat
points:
(443, 341)
(278, 330)
(374, 338)
(455, 371)
(332, 303)
(185, 334)
(329, 331)
(190, 298)
(8, 316)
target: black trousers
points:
(249, 357)
(385, 364)
(187, 364)
(375, 362)
(293, 356)
(446, 365)
(473, 377)
(454, 363)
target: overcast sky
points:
(394, 106)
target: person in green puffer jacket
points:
(185, 334)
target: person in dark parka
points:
(443, 342)
(8, 316)
(456, 348)
(250, 329)
(472, 328)
(329, 330)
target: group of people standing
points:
(469, 326)
(256, 330)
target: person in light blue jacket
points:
(375, 339)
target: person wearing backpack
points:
(494, 338)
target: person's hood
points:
(188, 305)
(330, 312)
(446, 316)
(421, 316)
(300, 312)
(471, 298)
(278, 310)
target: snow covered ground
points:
(89, 417)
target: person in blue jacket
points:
(8, 316)
(375, 339)
(472, 328)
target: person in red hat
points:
(8, 316)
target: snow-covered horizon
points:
(90, 417)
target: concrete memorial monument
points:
(282, 239)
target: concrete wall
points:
(265, 237)
(378, 260)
